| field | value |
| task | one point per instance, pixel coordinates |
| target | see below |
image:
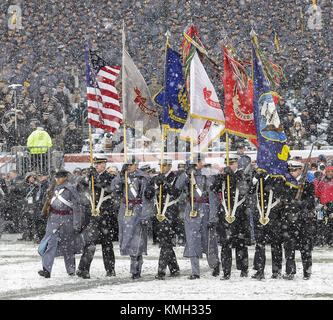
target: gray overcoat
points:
(199, 239)
(63, 226)
(132, 235)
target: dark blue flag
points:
(173, 96)
(273, 150)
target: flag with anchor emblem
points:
(273, 150)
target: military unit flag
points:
(206, 119)
(238, 102)
(137, 103)
(173, 96)
(273, 151)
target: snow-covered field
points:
(19, 263)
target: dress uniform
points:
(236, 232)
(102, 227)
(298, 223)
(134, 213)
(267, 223)
(199, 238)
(166, 220)
(63, 226)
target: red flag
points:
(239, 118)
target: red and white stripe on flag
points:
(104, 109)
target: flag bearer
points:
(103, 226)
(199, 238)
(234, 220)
(134, 213)
(166, 219)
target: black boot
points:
(136, 276)
(259, 275)
(226, 276)
(193, 277)
(44, 273)
(160, 277)
(83, 274)
(216, 271)
(174, 273)
(276, 275)
(306, 275)
(244, 274)
(111, 273)
(288, 276)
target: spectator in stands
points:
(22, 128)
(308, 124)
(73, 141)
(63, 100)
(297, 135)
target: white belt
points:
(57, 195)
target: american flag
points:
(102, 97)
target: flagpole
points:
(163, 135)
(228, 217)
(262, 218)
(127, 212)
(193, 212)
(94, 212)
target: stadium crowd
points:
(45, 55)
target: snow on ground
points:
(19, 263)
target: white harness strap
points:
(236, 202)
(57, 195)
(131, 186)
(197, 187)
(100, 200)
(270, 205)
(167, 204)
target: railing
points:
(38, 159)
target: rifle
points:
(47, 204)
(302, 181)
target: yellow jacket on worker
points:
(39, 141)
